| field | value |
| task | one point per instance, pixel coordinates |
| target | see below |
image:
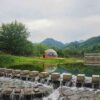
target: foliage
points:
(38, 49)
(6, 60)
(13, 39)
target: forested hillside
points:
(77, 48)
(90, 45)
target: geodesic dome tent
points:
(50, 53)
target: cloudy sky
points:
(64, 20)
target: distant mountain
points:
(52, 43)
(92, 44)
(72, 45)
(91, 41)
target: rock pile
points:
(73, 93)
(14, 89)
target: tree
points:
(13, 38)
(28, 48)
(38, 49)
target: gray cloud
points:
(65, 20)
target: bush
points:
(6, 60)
(38, 67)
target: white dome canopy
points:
(51, 52)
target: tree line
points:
(14, 40)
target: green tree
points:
(28, 48)
(72, 53)
(13, 38)
(38, 49)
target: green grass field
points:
(6, 60)
(73, 65)
(32, 63)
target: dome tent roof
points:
(51, 52)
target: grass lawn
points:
(32, 63)
(16, 60)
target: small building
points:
(92, 58)
(50, 53)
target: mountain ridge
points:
(53, 43)
(92, 43)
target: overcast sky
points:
(64, 20)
